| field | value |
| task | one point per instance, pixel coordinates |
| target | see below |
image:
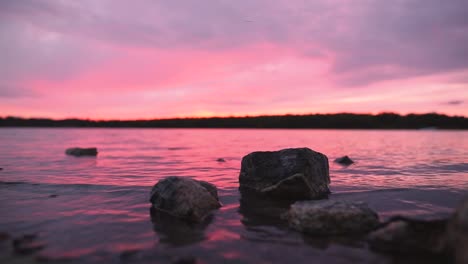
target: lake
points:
(96, 209)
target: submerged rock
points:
(81, 151)
(221, 160)
(345, 160)
(294, 174)
(457, 233)
(331, 217)
(401, 235)
(185, 198)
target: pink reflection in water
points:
(102, 202)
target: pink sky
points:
(154, 59)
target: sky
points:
(142, 59)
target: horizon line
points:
(230, 116)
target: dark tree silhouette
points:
(336, 121)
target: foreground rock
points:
(293, 174)
(402, 235)
(345, 160)
(457, 233)
(331, 217)
(81, 152)
(185, 198)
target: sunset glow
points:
(158, 59)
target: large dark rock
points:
(185, 198)
(457, 233)
(81, 152)
(294, 174)
(331, 217)
(405, 236)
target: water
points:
(102, 214)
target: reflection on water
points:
(177, 232)
(95, 210)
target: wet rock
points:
(221, 160)
(293, 174)
(331, 217)
(81, 152)
(345, 160)
(53, 196)
(457, 233)
(185, 198)
(401, 235)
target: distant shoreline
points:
(319, 121)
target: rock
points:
(331, 217)
(221, 160)
(81, 152)
(345, 160)
(401, 235)
(457, 233)
(53, 196)
(185, 198)
(293, 174)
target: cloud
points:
(287, 52)
(454, 102)
(13, 92)
(366, 38)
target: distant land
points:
(335, 121)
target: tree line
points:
(334, 121)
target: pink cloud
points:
(148, 59)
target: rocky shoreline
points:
(291, 188)
(300, 177)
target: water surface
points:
(101, 211)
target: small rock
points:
(53, 195)
(402, 235)
(185, 198)
(221, 160)
(81, 152)
(345, 160)
(1, 169)
(293, 174)
(457, 233)
(331, 217)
